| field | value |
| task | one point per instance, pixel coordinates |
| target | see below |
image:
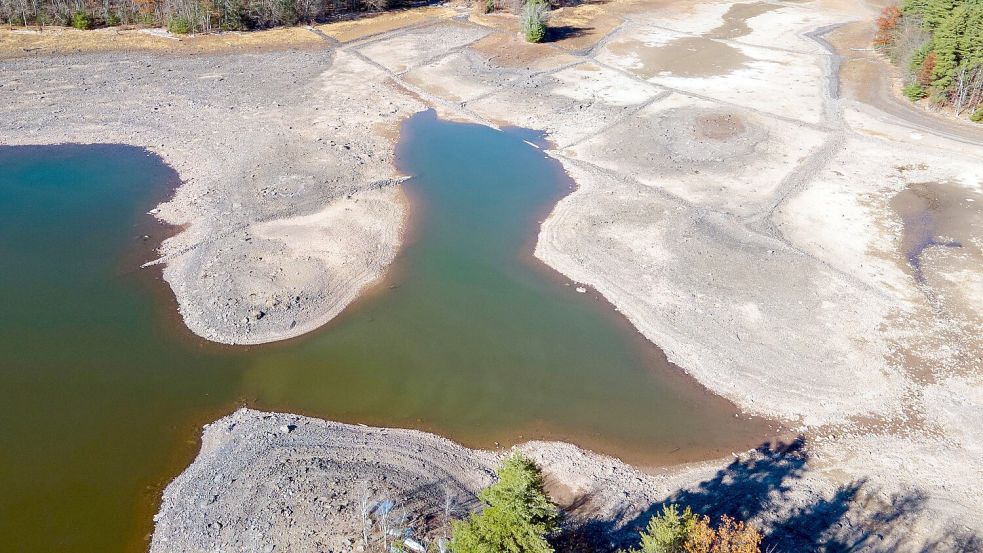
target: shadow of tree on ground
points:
(766, 487)
(562, 32)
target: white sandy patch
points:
(800, 353)
(570, 105)
(774, 81)
(414, 48)
(786, 27)
(844, 216)
(329, 234)
(969, 282)
(692, 19)
(737, 187)
(449, 78)
(874, 123)
(590, 82)
(956, 404)
(352, 239)
(938, 472)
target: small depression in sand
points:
(719, 126)
(102, 393)
(681, 57)
(686, 140)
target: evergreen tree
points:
(937, 12)
(945, 44)
(668, 532)
(971, 42)
(518, 515)
(913, 8)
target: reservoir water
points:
(102, 392)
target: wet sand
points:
(682, 57)
(735, 19)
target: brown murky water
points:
(936, 214)
(940, 249)
(468, 335)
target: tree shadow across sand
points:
(766, 487)
(563, 32)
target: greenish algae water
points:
(102, 393)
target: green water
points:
(102, 394)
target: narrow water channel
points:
(102, 396)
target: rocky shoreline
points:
(741, 215)
(280, 482)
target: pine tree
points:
(913, 8)
(971, 42)
(945, 44)
(518, 514)
(937, 12)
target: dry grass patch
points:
(60, 40)
(508, 50)
(581, 27)
(347, 31)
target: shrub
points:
(977, 116)
(926, 70)
(887, 24)
(376, 5)
(668, 532)
(735, 536)
(80, 20)
(112, 20)
(533, 19)
(487, 6)
(914, 91)
(232, 16)
(179, 25)
(518, 515)
(672, 532)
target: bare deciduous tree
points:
(967, 89)
(190, 15)
(364, 512)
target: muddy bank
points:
(271, 482)
(250, 136)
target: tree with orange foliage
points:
(926, 72)
(686, 532)
(887, 24)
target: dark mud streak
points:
(835, 60)
(920, 208)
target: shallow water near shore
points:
(102, 394)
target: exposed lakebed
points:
(468, 335)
